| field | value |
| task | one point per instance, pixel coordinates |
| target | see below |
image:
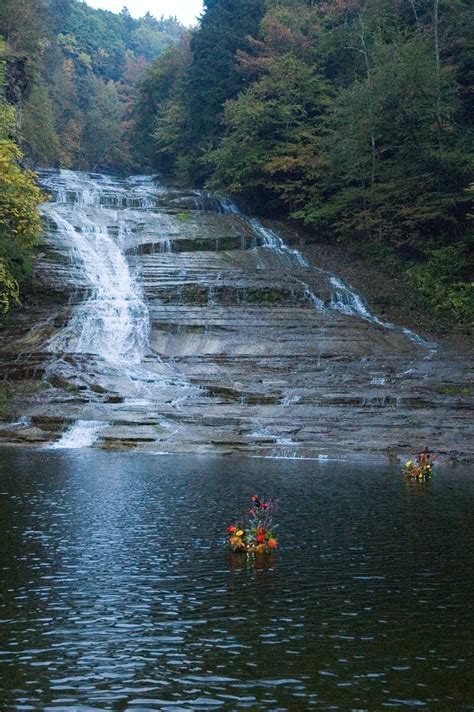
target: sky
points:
(185, 10)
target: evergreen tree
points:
(182, 99)
(158, 131)
(213, 76)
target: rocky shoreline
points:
(249, 350)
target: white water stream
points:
(83, 433)
(113, 322)
(93, 214)
(344, 298)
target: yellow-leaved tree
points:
(20, 221)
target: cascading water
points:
(344, 299)
(93, 216)
(274, 242)
(83, 433)
(113, 322)
(347, 301)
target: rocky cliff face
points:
(16, 80)
(171, 322)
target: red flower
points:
(231, 529)
(260, 538)
(272, 543)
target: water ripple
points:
(118, 594)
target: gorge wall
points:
(168, 321)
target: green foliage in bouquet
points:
(253, 533)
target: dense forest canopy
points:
(81, 67)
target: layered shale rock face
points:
(171, 322)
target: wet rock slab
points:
(250, 350)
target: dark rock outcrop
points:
(16, 80)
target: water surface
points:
(117, 593)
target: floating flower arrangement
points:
(253, 534)
(421, 469)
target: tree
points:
(389, 178)
(40, 139)
(273, 139)
(66, 46)
(159, 119)
(24, 26)
(213, 76)
(20, 222)
(102, 133)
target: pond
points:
(118, 594)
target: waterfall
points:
(348, 302)
(344, 298)
(274, 242)
(113, 322)
(83, 433)
(94, 220)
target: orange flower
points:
(234, 540)
(272, 543)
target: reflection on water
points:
(118, 594)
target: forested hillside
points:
(81, 66)
(353, 117)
